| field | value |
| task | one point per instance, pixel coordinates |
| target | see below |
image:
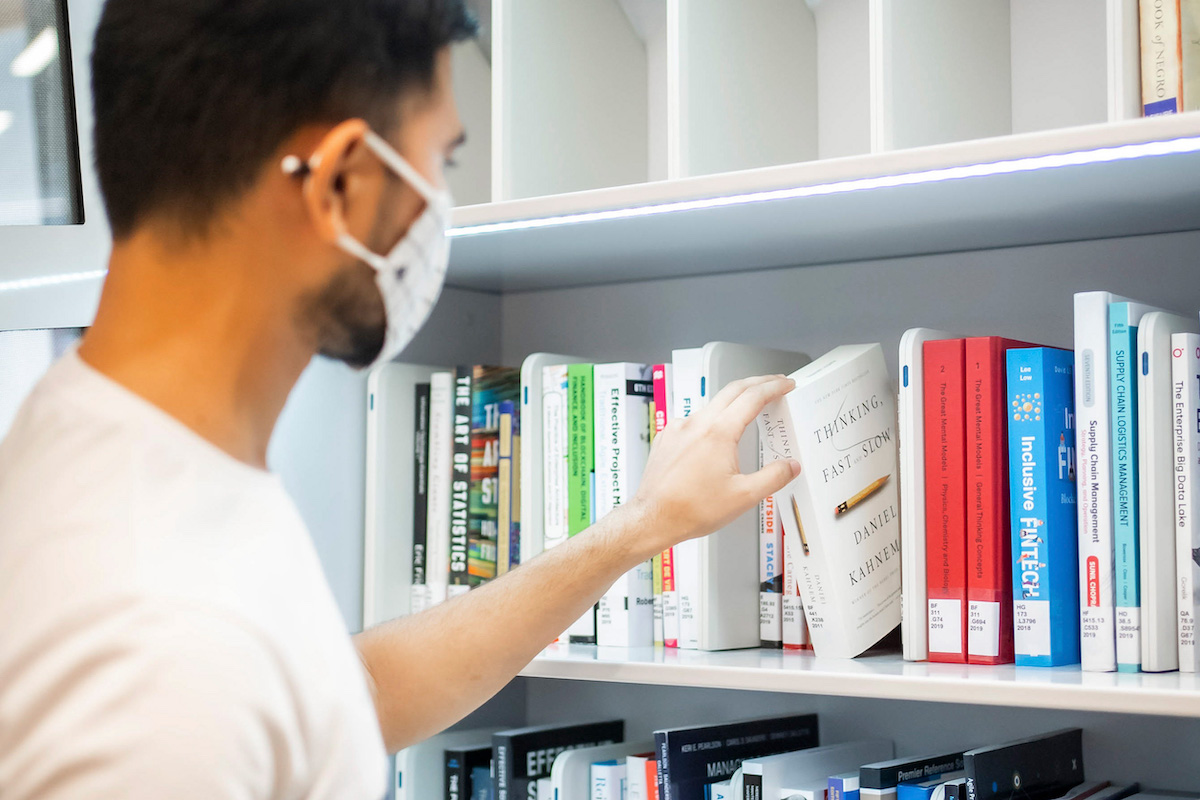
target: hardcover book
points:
(691, 758)
(1185, 362)
(1038, 768)
(932, 789)
(1045, 542)
(843, 786)
(770, 573)
(1162, 57)
(461, 762)
(1124, 319)
(641, 777)
(581, 474)
(608, 780)
(491, 386)
(989, 563)
(623, 392)
(460, 488)
(555, 451)
(664, 401)
(687, 397)
(441, 483)
(769, 776)
(523, 755)
(1156, 475)
(509, 508)
(879, 780)
(420, 502)
(945, 500)
(840, 424)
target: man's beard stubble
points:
(348, 316)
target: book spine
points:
(752, 788)
(989, 562)
(1045, 590)
(581, 468)
(945, 458)
(1126, 565)
(662, 747)
(502, 766)
(1189, 11)
(1185, 378)
(1098, 650)
(457, 778)
(555, 454)
(506, 505)
(460, 491)
(515, 499)
(441, 472)
(1162, 57)
(770, 572)
(687, 397)
(663, 377)
(420, 591)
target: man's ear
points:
(324, 194)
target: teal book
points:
(1123, 321)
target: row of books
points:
(779, 758)
(1170, 50)
(1048, 494)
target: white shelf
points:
(527, 244)
(887, 676)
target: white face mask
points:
(409, 277)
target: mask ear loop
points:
(317, 175)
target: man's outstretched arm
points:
(431, 669)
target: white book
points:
(1185, 374)
(637, 780)
(686, 365)
(441, 476)
(840, 424)
(545, 789)
(722, 790)
(914, 610)
(554, 455)
(622, 396)
(728, 605)
(1093, 445)
(532, 461)
(769, 776)
(570, 774)
(608, 781)
(420, 770)
(1156, 468)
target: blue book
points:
(844, 787)
(1045, 544)
(1123, 319)
(481, 784)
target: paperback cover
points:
(1038, 768)
(664, 400)
(842, 507)
(555, 452)
(460, 764)
(769, 776)
(523, 755)
(508, 509)
(1045, 542)
(687, 366)
(844, 786)
(1124, 319)
(945, 499)
(1093, 444)
(691, 758)
(1185, 362)
(1156, 457)
(441, 482)
(989, 548)
(491, 386)
(879, 780)
(460, 489)
(623, 392)
(581, 474)
(420, 592)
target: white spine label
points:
(983, 629)
(1031, 627)
(1129, 635)
(945, 626)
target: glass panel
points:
(39, 150)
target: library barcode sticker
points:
(983, 629)
(1031, 627)
(945, 626)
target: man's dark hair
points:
(193, 96)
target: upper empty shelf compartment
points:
(1116, 179)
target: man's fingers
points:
(771, 478)
(733, 390)
(750, 403)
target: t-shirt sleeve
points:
(157, 702)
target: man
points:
(272, 171)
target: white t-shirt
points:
(166, 630)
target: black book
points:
(460, 763)
(694, 757)
(460, 484)
(522, 755)
(420, 483)
(880, 780)
(956, 790)
(1038, 768)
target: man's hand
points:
(693, 484)
(429, 670)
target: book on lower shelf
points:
(1186, 379)
(521, 756)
